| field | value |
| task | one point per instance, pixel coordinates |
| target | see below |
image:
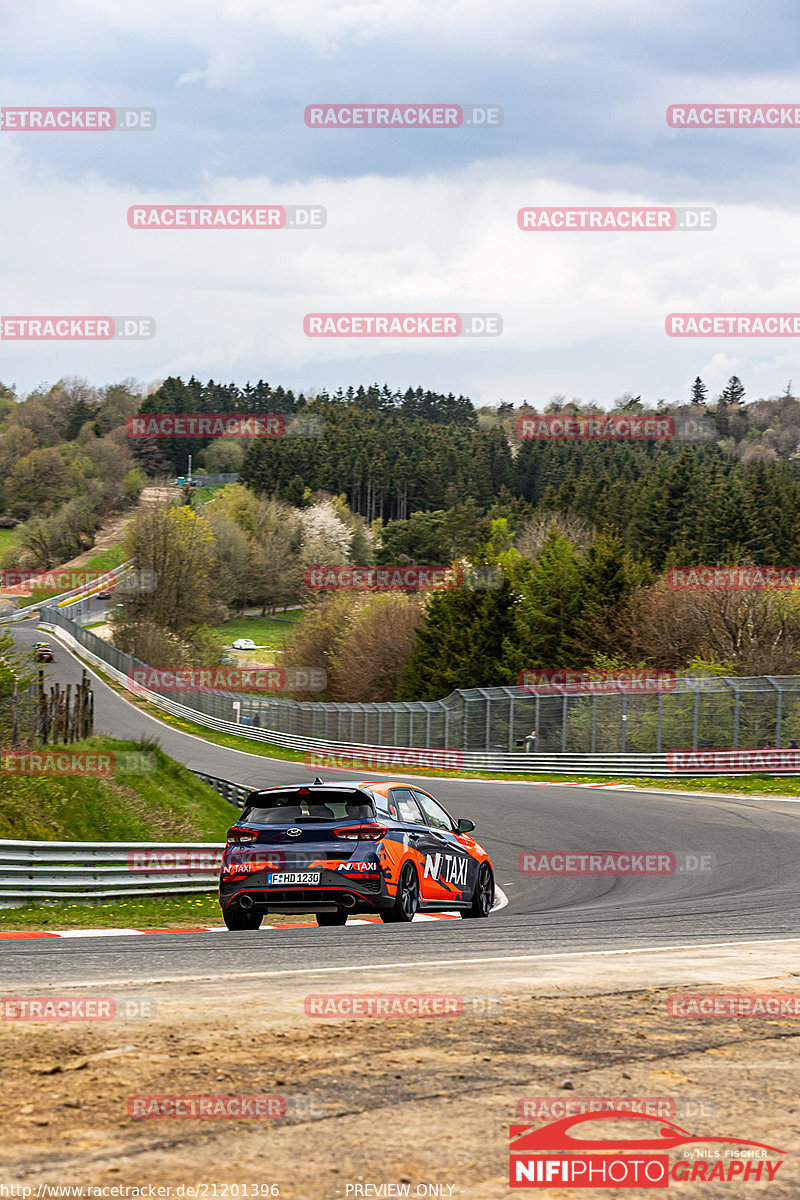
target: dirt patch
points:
(423, 1101)
(110, 532)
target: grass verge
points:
(167, 804)
(128, 912)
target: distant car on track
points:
(244, 644)
(338, 848)
(42, 652)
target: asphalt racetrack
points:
(747, 891)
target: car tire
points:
(332, 918)
(483, 896)
(406, 901)
(239, 918)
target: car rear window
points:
(276, 808)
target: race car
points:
(335, 849)
(42, 652)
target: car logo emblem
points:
(293, 832)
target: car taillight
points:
(365, 833)
(239, 836)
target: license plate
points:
(290, 877)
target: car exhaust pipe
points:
(245, 901)
(348, 901)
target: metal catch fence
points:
(699, 713)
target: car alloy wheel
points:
(407, 899)
(483, 896)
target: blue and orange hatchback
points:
(335, 849)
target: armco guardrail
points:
(31, 871)
(86, 591)
(235, 793)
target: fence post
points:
(778, 710)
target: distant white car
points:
(244, 644)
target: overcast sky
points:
(417, 220)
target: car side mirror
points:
(465, 825)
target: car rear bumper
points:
(332, 892)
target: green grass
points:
(129, 912)
(149, 912)
(6, 540)
(171, 804)
(98, 564)
(264, 631)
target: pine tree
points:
(609, 578)
(732, 395)
(548, 613)
(699, 392)
(464, 643)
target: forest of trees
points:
(580, 532)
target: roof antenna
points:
(318, 780)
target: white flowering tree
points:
(326, 538)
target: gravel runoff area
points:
(370, 1106)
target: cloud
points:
(416, 219)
